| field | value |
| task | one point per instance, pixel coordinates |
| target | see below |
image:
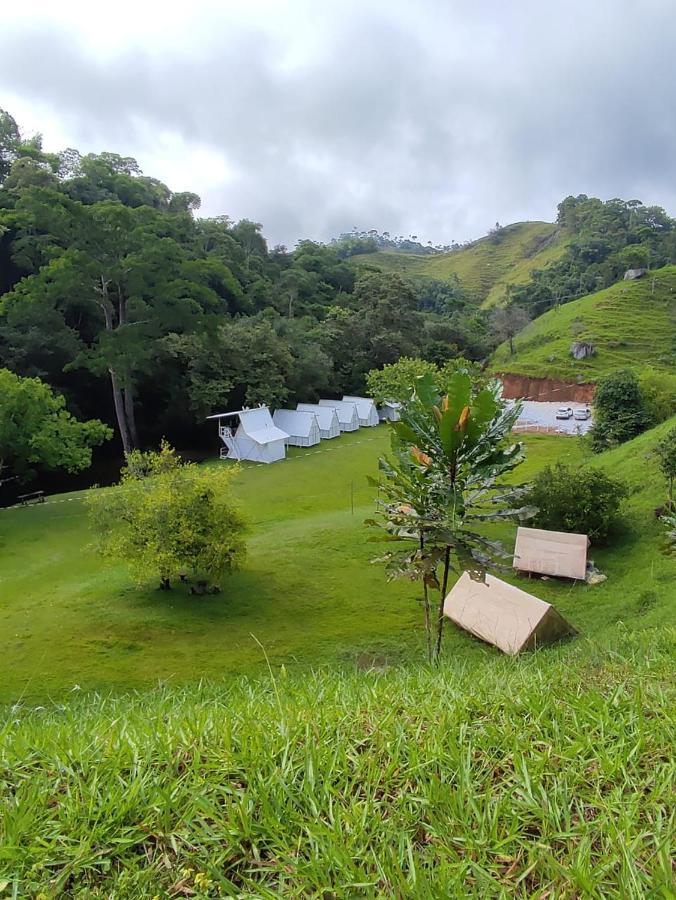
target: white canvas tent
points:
(366, 410)
(504, 615)
(389, 411)
(551, 553)
(301, 426)
(327, 418)
(348, 417)
(256, 438)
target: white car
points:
(582, 414)
(564, 412)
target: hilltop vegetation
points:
(485, 268)
(631, 324)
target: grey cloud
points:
(431, 118)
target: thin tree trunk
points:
(118, 399)
(119, 412)
(442, 597)
(130, 415)
(428, 624)
(426, 606)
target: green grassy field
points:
(330, 774)
(485, 267)
(308, 592)
(549, 776)
(631, 324)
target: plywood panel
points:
(551, 553)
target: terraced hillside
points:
(486, 267)
(630, 324)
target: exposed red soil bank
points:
(517, 387)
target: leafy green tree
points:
(620, 410)
(578, 500)
(36, 429)
(666, 456)
(168, 518)
(396, 381)
(507, 322)
(242, 362)
(449, 452)
(634, 256)
(124, 283)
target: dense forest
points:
(114, 293)
(605, 239)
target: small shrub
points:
(582, 501)
(659, 392)
(168, 518)
(620, 411)
(666, 455)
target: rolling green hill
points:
(545, 775)
(630, 324)
(308, 591)
(486, 267)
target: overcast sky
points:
(434, 118)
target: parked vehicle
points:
(582, 414)
(564, 412)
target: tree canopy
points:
(36, 429)
(114, 293)
(169, 518)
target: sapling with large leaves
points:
(450, 451)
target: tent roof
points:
(503, 615)
(346, 411)
(325, 414)
(225, 415)
(551, 552)
(267, 435)
(363, 404)
(297, 422)
(257, 424)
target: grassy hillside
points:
(308, 593)
(631, 324)
(547, 776)
(488, 265)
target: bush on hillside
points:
(659, 393)
(620, 410)
(581, 501)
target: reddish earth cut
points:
(521, 387)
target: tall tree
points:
(507, 322)
(36, 430)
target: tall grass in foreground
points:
(548, 776)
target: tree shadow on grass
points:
(242, 595)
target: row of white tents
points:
(259, 436)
